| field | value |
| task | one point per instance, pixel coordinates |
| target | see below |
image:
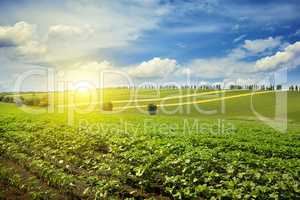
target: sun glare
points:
(81, 87)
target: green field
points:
(198, 147)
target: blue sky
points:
(152, 40)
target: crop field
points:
(221, 152)
(149, 99)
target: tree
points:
(152, 109)
(278, 87)
(107, 106)
(44, 102)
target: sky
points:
(148, 42)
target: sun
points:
(82, 87)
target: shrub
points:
(1, 97)
(107, 106)
(152, 109)
(32, 101)
(44, 102)
(8, 99)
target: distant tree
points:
(278, 87)
(152, 109)
(107, 106)
(8, 99)
(32, 101)
(44, 102)
(296, 88)
(270, 87)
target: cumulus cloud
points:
(15, 35)
(20, 41)
(256, 47)
(289, 57)
(71, 41)
(77, 29)
(261, 45)
(233, 64)
(154, 68)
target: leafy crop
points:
(251, 163)
(44, 158)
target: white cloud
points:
(90, 72)
(214, 68)
(31, 49)
(297, 33)
(239, 38)
(115, 23)
(154, 68)
(289, 57)
(93, 66)
(234, 64)
(66, 42)
(66, 31)
(204, 28)
(261, 45)
(19, 42)
(16, 35)
(231, 65)
(78, 29)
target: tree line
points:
(218, 87)
(31, 100)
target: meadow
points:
(200, 145)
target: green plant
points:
(108, 160)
